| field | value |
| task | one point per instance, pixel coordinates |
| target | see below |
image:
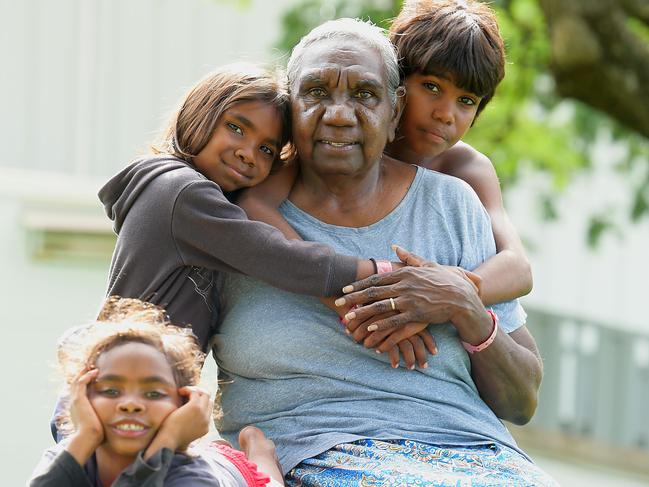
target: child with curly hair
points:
(135, 410)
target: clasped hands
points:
(422, 293)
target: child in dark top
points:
(176, 227)
(134, 409)
(452, 58)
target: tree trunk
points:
(598, 59)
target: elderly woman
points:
(339, 413)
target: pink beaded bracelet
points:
(479, 348)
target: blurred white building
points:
(84, 87)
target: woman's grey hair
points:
(355, 30)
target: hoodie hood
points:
(123, 189)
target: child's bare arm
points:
(506, 275)
(261, 202)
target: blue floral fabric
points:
(406, 463)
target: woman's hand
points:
(184, 425)
(89, 432)
(421, 292)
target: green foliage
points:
(598, 226)
(639, 28)
(309, 13)
(526, 125)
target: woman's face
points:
(342, 115)
(133, 394)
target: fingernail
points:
(378, 351)
(395, 366)
(372, 328)
(394, 246)
(435, 351)
(347, 331)
(425, 366)
(339, 301)
(348, 289)
(350, 316)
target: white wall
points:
(606, 284)
(38, 301)
(83, 86)
(87, 82)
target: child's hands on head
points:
(82, 414)
(186, 424)
(89, 431)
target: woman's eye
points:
(235, 128)
(317, 92)
(432, 87)
(267, 150)
(364, 94)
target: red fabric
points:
(248, 469)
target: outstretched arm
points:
(506, 275)
(262, 203)
(229, 242)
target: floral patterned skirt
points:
(406, 463)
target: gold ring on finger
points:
(394, 308)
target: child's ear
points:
(396, 112)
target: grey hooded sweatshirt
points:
(176, 229)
